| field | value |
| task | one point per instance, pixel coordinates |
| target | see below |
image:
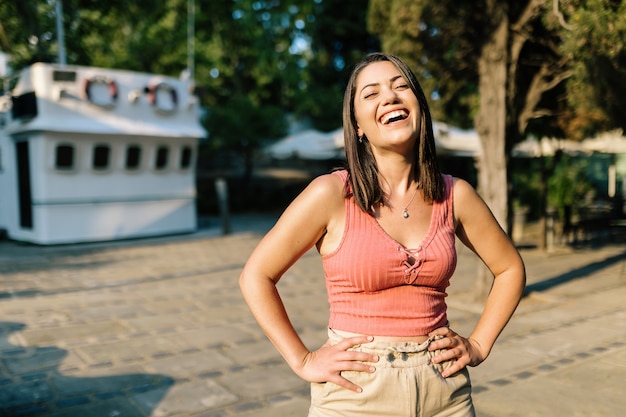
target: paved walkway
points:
(157, 327)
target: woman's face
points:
(385, 107)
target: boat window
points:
(133, 157)
(101, 155)
(64, 157)
(162, 154)
(59, 75)
(185, 157)
(24, 106)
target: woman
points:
(385, 228)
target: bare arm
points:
(302, 225)
(478, 230)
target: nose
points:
(389, 96)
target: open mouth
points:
(394, 116)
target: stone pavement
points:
(157, 327)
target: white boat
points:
(92, 154)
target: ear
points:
(359, 131)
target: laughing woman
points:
(385, 228)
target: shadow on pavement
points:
(32, 385)
(574, 274)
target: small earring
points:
(361, 138)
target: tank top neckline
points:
(423, 242)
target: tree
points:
(475, 58)
(249, 59)
(595, 42)
(293, 54)
(24, 35)
(240, 124)
(338, 38)
(515, 68)
(517, 56)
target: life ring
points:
(112, 88)
(153, 90)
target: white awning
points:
(308, 144)
(313, 144)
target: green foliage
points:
(443, 39)
(241, 124)
(441, 42)
(526, 185)
(296, 55)
(596, 46)
(24, 34)
(339, 39)
(243, 48)
(569, 186)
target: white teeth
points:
(402, 114)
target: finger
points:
(441, 331)
(443, 343)
(342, 382)
(353, 355)
(350, 342)
(447, 355)
(455, 367)
(358, 367)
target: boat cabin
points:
(93, 154)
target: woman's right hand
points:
(327, 363)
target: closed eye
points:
(370, 94)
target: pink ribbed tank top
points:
(378, 287)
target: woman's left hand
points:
(456, 348)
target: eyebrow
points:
(392, 79)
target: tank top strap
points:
(447, 212)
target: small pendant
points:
(405, 214)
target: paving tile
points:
(184, 399)
(188, 365)
(255, 383)
(158, 327)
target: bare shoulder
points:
(316, 205)
(462, 188)
(330, 188)
(464, 192)
(468, 205)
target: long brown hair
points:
(362, 168)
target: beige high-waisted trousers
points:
(405, 384)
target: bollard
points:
(550, 232)
(221, 189)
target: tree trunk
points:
(491, 125)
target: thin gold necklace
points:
(405, 212)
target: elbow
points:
(517, 265)
(253, 282)
(245, 282)
(514, 278)
(521, 274)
